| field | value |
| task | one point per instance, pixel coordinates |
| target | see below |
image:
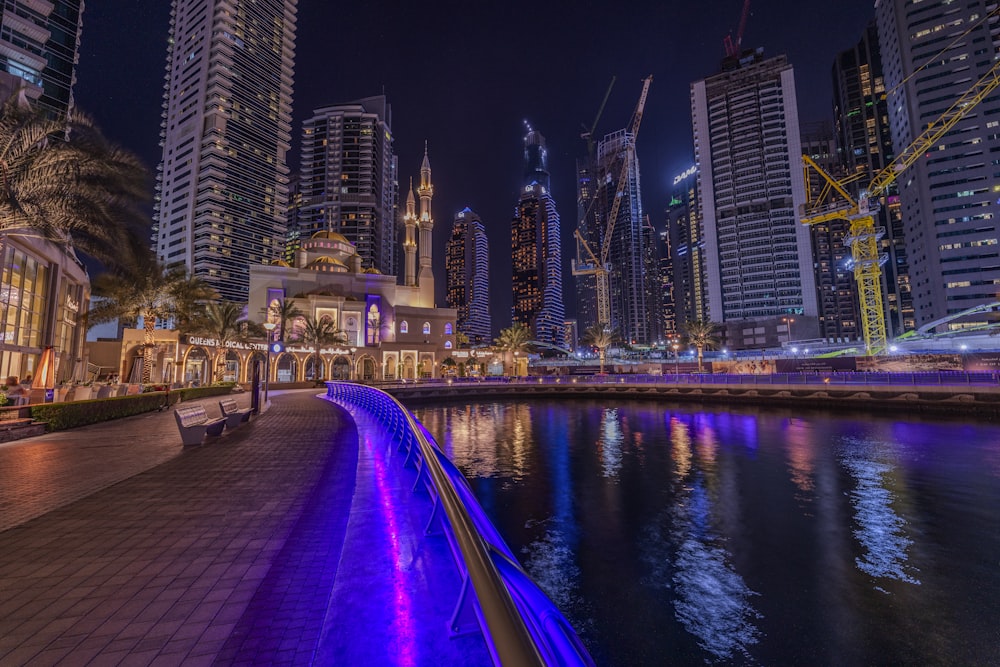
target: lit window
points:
(447, 329)
(404, 327)
(427, 327)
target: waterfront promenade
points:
(119, 546)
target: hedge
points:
(61, 416)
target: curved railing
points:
(520, 623)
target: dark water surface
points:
(673, 535)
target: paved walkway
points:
(118, 546)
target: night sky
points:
(464, 76)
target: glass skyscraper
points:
(467, 265)
(536, 250)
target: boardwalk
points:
(118, 546)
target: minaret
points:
(410, 242)
(426, 278)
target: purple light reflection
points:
(403, 621)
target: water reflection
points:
(610, 443)
(879, 530)
(711, 600)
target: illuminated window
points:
(404, 327)
(427, 327)
(447, 329)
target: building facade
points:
(932, 53)
(536, 251)
(467, 269)
(39, 42)
(836, 291)
(348, 180)
(683, 263)
(864, 144)
(222, 187)
(750, 184)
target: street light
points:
(270, 327)
(351, 369)
(788, 327)
(676, 347)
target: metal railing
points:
(916, 379)
(520, 623)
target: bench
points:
(233, 414)
(194, 424)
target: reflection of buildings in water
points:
(710, 599)
(491, 440)
(880, 531)
(609, 445)
(801, 459)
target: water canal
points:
(673, 535)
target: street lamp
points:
(351, 370)
(788, 327)
(269, 327)
(676, 347)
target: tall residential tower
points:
(348, 179)
(932, 52)
(467, 265)
(750, 185)
(222, 191)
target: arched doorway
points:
(197, 367)
(229, 368)
(367, 369)
(315, 370)
(255, 358)
(286, 368)
(341, 370)
(409, 367)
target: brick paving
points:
(292, 540)
(143, 552)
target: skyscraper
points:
(750, 186)
(467, 264)
(349, 182)
(222, 191)
(684, 267)
(38, 49)
(932, 52)
(836, 292)
(536, 250)
(864, 144)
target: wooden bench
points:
(194, 424)
(233, 414)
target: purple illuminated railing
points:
(521, 625)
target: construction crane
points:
(863, 235)
(595, 265)
(731, 46)
(588, 134)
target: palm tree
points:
(319, 332)
(602, 337)
(281, 313)
(226, 322)
(514, 339)
(60, 179)
(701, 334)
(150, 291)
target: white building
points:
(750, 183)
(222, 195)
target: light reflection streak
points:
(801, 459)
(710, 598)
(880, 531)
(610, 443)
(405, 645)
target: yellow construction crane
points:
(599, 266)
(863, 235)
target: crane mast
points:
(863, 234)
(599, 266)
